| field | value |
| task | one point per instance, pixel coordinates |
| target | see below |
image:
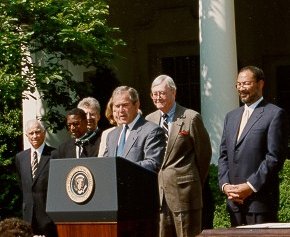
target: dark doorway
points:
(185, 72)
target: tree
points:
(36, 37)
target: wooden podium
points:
(102, 197)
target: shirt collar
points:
(131, 125)
(254, 105)
(170, 113)
(38, 150)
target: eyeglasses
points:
(244, 84)
(155, 94)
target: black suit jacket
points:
(35, 191)
(68, 148)
(256, 157)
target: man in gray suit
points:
(137, 140)
(252, 152)
(185, 165)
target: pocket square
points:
(183, 133)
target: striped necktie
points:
(34, 164)
(165, 125)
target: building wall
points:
(152, 29)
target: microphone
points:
(85, 138)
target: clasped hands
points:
(238, 192)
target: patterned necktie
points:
(121, 145)
(244, 121)
(34, 165)
(165, 125)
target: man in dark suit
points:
(252, 152)
(83, 143)
(34, 179)
(186, 162)
(144, 141)
(92, 108)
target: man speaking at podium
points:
(81, 144)
(137, 140)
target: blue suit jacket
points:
(145, 144)
(257, 157)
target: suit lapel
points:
(156, 116)
(137, 128)
(27, 164)
(255, 116)
(236, 125)
(44, 159)
(175, 128)
(115, 139)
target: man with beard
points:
(252, 152)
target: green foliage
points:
(10, 131)
(221, 217)
(53, 31)
(284, 211)
(37, 39)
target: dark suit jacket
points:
(35, 191)
(186, 162)
(257, 157)
(68, 148)
(145, 145)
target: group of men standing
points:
(173, 142)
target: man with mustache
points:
(252, 152)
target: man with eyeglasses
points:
(252, 152)
(185, 164)
(78, 145)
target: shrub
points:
(221, 217)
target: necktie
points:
(78, 148)
(34, 165)
(244, 121)
(165, 125)
(121, 145)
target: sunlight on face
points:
(163, 97)
(124, 109)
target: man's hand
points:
(238, 193)
(243, 190)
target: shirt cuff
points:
(223, 186)
(251, 186)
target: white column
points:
(218, 65)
